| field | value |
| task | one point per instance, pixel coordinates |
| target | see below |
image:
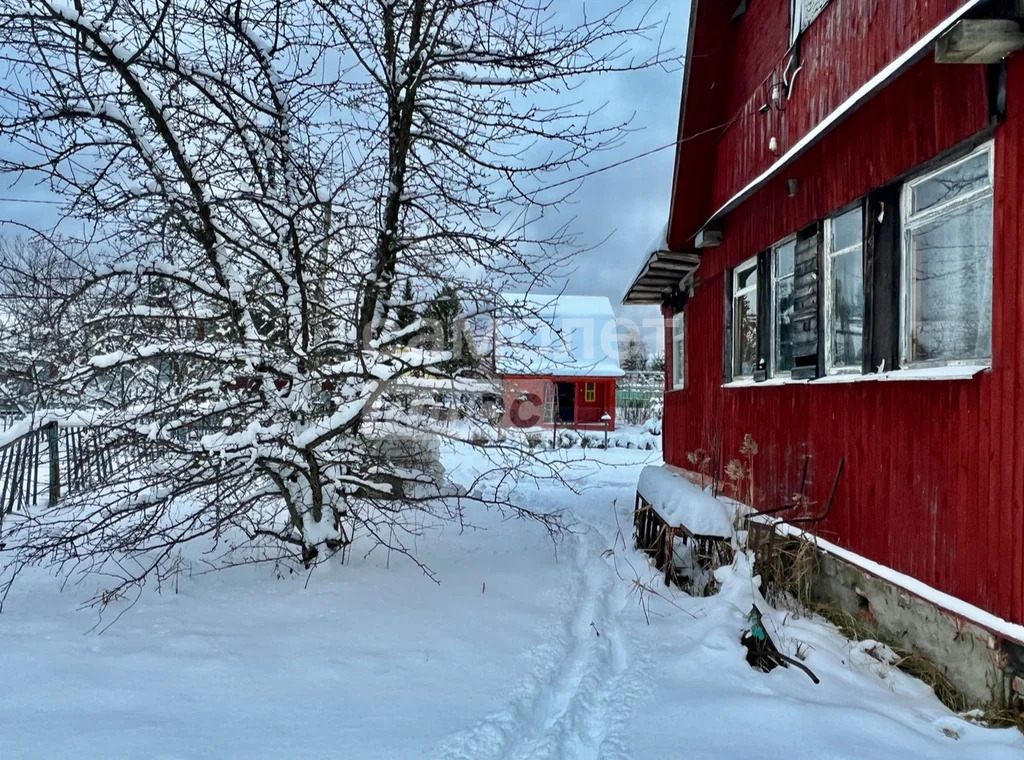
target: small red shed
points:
(558, 358)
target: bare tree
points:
(245, 185)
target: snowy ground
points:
(524, 650)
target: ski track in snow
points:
(574, 705)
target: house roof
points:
(566, 336)
(661, 271)
(648, 286)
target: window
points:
(590, 393)
(744, 319)
(783, 272)
(802, 13)
(844, 278)
(947, 263)
(678, 351)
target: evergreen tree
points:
(405, 314)
(633, 356)
(444, 320)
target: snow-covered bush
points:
(591, 439)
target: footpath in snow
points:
(525, 649)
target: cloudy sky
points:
(617, 213)
(623, 210)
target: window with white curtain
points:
(947, 263)
(844, 279)
(678, 351)
(803, 13)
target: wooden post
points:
(669, 546)
(554, 420)
(53, 440)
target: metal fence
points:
(639, 397)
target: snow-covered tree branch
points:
(247, 190)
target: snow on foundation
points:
(678, 502)
(960, 608)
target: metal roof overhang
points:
(660, 276)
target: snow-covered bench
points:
(670, 507)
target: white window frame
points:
(774, 305)
(738, 293)
(796, 18)
(678, 351)
(910, 221)
(827, 264)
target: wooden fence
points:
(38, 467)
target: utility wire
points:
(600, 170)
(30, 200)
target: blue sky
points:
(629, 205)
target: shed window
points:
(783, 271)
(744, 319)
(590, 393)
(678, 351)
(947, 263)
(844, 309)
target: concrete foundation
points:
(974, 660)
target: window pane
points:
(785, 255)
(678, 356)
(745, 334)
(846, 291)
(950, 288)
(784, 261)
(747, 277)
(969, 175)
(848, 230)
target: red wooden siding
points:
(851, 41)
(934, 479)
(591, 412)
(928, 110)
(588, 413)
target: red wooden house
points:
(843, 279)
(558, 358)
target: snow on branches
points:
(249, 192)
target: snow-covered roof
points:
(569, 336)
(661, 271)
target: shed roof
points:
(557, 335)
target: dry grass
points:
(788, 566)
(910, 662)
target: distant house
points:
(842, 279)
(558, 359)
